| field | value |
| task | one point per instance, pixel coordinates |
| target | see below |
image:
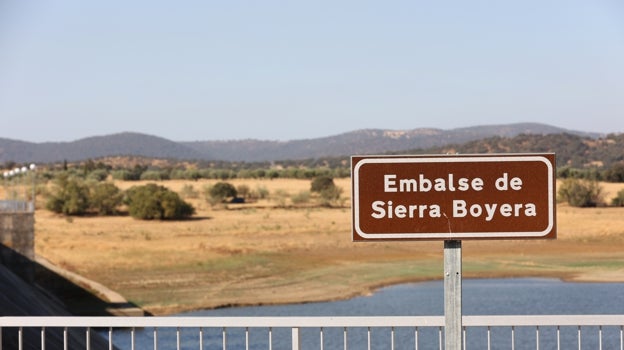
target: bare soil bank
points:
(271, 252)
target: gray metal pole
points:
(452, 295)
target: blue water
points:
(527, 296)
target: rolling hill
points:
(368, 141)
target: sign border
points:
(466, 158)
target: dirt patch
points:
(269, 254)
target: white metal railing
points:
(589, 331)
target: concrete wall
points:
(17, 239)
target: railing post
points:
(201, 338)
(416, 338)
(246, 338)
(224, 337)
(296, 338)
(178, 338)
(132, 340)
(88, 338)
(452, 295)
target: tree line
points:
(73, 195)
(82, 188)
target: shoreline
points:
(125, 308)
(119, 306)
(619, 278)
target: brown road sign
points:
(443, 197)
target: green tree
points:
(272, 174)
(88, 166)
(122, 174)
(244, 174)
(155, 175)
(580, 193)
(221, 191)
(69, 196)
(105, 198)
(615, 173)
(98, 175)
(322, 183)
(192, 174)
(133, 174)
(154, 202)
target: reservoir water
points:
(526, 296)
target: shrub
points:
(272, 174)
(330, 195)
(615, 174)
(325, 187)
(151, 201)
(155, 175)
(279, 196)
(124, 175)
(244, 174)
(243, 191)
(192, 174)
(301, 197)
(261, 192)
(188, 191)
(69, 196)
(133, 174)
(322, 183)
(221, 191)
(105, 198)
(98, 175)
(618, 201)
(580, 193)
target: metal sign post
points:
(452, 295)
(453, 198)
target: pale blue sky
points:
(282, 70)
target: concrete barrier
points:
(17, 237)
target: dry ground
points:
(260, 254)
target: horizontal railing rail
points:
(155, 326)
(201, 321)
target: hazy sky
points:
(282, 70)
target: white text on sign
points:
(390, 210)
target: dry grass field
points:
(270, 252)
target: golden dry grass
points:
(260, 254)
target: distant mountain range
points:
(367, 141)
